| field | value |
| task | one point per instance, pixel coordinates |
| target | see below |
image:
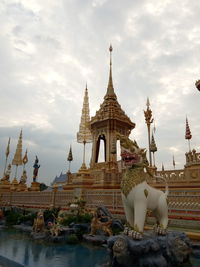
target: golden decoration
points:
(131, 178)
(146, 193)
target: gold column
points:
(148, 120)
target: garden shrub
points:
(72, 239)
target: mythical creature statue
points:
(38, 225)
(97, 224)
(137, 195)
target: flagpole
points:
(148, 120)
(189, 144)
(174, 162)
(7, 154)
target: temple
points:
(99, 183)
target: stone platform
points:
(172, 250)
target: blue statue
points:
(36, 167)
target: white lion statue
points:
(137, 196)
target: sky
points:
(50, 49)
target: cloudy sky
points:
(49, 49)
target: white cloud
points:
(50, 49)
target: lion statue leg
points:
(135, 211)
(161, 214)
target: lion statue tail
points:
(166, 184)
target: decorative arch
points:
(101, 137)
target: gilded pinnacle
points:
(84, 134)
(148, 103)
(17, 160)
(110, 89)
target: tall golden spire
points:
(17, 160)
(18, 153)
(110, 90)
(84, 135)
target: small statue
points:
(97, 224)
(7, 173)
(38, 225)
(23, 177)
(54, 228)
(36, 167)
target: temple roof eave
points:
(127, 121)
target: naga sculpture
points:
(137, 195)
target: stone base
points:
(95, 240)
(171, 250)
(35, 186)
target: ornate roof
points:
(110, 108)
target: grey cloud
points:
(47, 56)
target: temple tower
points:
(109, 120)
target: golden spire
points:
(18, 156)
(18, 153)
(110, 89)
(84, 135)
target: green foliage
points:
(116, 231)
(13, 217)
(51, 214)
(72, 239)
(85, 218)
(43, 187)
(18, 216)
(27, 218)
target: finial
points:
(110, 89)
(148, 103)
(110, 49)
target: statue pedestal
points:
(173, 250)
(35, 186)
(83, 169)
(5, 186)
(14, 185)
(22, 187)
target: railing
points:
(180, 202)
(172, 176)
